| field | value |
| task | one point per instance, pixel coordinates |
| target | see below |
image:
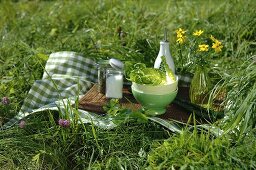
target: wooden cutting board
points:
(94, 101)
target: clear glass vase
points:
(200, 86)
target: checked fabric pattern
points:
(67, 75)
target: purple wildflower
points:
(61, 122)
(22, 124)
(5, 101)
(64, 123)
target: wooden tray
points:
(94, 101)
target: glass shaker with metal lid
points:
(102, 65)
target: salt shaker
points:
(114, 83)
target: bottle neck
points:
(164, 48)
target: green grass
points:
(43, 144)
(31, 30)
(200, 151)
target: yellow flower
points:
(203, 47)
(198, 32)
(181, 39)
(180, 31)
(180, 36)
(216, 45)
(213, 39)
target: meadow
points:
(130, 31)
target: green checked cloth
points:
(67, 77)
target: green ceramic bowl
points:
(156, 89)
(154, 104)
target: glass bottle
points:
(200, 86)
(164, 51)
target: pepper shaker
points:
(102, 65)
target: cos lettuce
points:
(139, 73)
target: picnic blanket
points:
(66, 78)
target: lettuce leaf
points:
(139, 73)
(170, 76)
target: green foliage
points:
(200, 151)
(130, 31)
(43, 144)
(240, 108)
(121, 115)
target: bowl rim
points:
(134, 89)
(150, 85)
